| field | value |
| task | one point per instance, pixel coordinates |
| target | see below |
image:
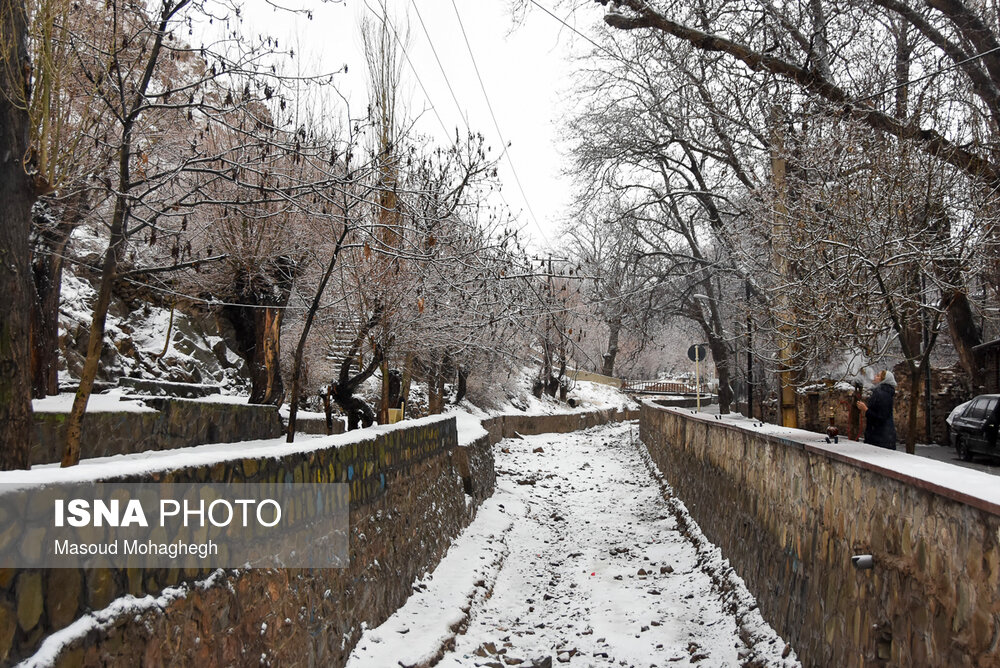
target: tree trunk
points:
(359, 414)
(384, 400)
(966, 335)
(258, 331)
(404, 391)
(17, 194)
(395, 390)
(614, 327)
(435, 388)
(293, 407)
(47, 268)
(537, 388)
(357, 411)
(327, 410)
(463, 383)
(911, 413)
(274, 388)
(720, 356)
(116, 248)
(116, 245)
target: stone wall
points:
(408, 500)
(594, 377)
(789, 514)
(310, 424)
(948, 389)
(410, 489)
(508, 426)
(410, 496)
(174, 423)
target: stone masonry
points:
(789, 515)
(410, 486)
(174, 423)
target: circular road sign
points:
(696, 353)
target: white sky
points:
(525, 69)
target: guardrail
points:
(657, 387)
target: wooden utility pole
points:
(781, 232)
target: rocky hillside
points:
(199, 350)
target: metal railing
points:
(657, 387)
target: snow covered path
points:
(578, 559)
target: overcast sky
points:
(524, 69)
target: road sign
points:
(696, 353)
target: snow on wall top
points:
(116, 466)
(975, 488)
(112, 402)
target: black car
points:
(974, 430)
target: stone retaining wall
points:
(410, 496)
(408, 501)
(789, 514)
(175, 423)
(508, 426)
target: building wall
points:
(789, 513)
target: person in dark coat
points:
(880, 429)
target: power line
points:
(931, 74)
(489, 106)
(385, 16)
(924, 77)
(402, 47)
(440, 66)
(549, 12)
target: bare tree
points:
(18, 191)
(619, 290)
(149, 82)
(823, 51)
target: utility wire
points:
(402, 47)
(549, 12)
(489, 106)
(924, 77)
(440, 65)
(447, 133)
(931, 74)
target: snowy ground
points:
(578, 559)
(942, 453)
(946, 453)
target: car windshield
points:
(977, 410)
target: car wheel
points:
(963, 450)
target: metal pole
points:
(746, 285)
(697, 377)
(927, 371)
